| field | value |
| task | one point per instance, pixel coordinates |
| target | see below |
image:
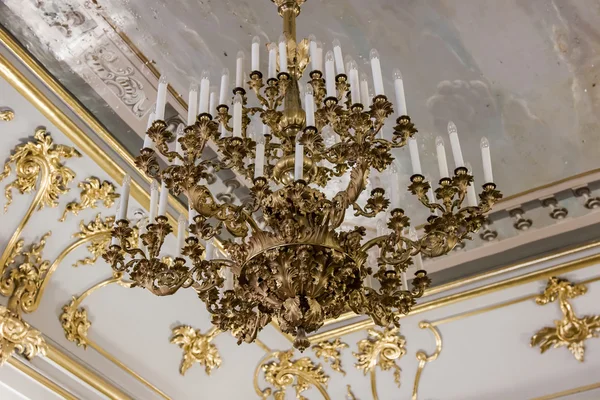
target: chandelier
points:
(285, 255)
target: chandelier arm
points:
(343, 199)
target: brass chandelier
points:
(298, 267)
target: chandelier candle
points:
(377, 77)
(148, 143)
(204, 93)
(441, 157)
(488, 176)
(255, 53)
(161, 98)
(124, 196)
(471, 194)
(283, 58)
(295, 221)
(181, 230)
(212, 103)
(365, 98)
(455, 145)
(192, 104)
(224, 86)
(153, 201)
(413, 148)
(400, 99)
(239, 70)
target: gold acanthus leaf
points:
(17, 336)
(197, 348)
(37, 157)
(75, 323)
(98, 233)
(22, 283)
(381, 348)
(281, 375)
(570, 331)
(93, 191)
(330, 352)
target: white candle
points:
(319, 56)
(394, 187)
(181, 227)
(364, 90)
(192, 104)
(313, 51)
(178, 149)
(339, 59)
(161, 98)
(212, 108)
(209, 251)
(415, 160)
(124, 196)
(283, 60)
(191, 215)
(224, 86)
(259, 164)
(441, 157)
(431, 199)
(488, 176)
(153, 201)
(330, 75)
(255, 53)
(272, 61)
(417, 259)
(299, 160)
(115, 241)
(354, 81)
(455, 145)
(237, 115)
(404, 281)
(228, 275)
(204, 92)
(148, 143)
(376, 69)
(471, 195)
(164, 199)
(309, 105)
(239, 70)
(400, 98)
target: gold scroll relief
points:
(6, 114)
(197, 348)
(93, 191)
(570, 331)
(330, 352)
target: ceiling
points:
(524, 73)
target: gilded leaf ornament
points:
(197, 348)
(93, 191)
(35, 157)
(383, 349)
(350, 395)
(570, 331)
(75, 323)
(97, 233)
(330, 352)
(283, 371)
(17, 336)
(7, 115)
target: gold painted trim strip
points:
(580, 389)
(423, 358)
(85, 374)
(12, 75)
(563, 268)
(41, 379)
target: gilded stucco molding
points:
(93, 191)
(350, 395)
(38, 167)
(21, 284)
(6, 114)
(380, 349)
(424, 358)
(570, 331)
(330, 352)
(283, 372)
(197, 348)
(97, 234)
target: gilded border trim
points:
(41, 379)
(569, 392)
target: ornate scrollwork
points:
(93, 191)
(17, 336)
(284, 372)
(330, 352)
(197, 348)
(75, 323)
(383, 349)
(570, 331)
(31, 159)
